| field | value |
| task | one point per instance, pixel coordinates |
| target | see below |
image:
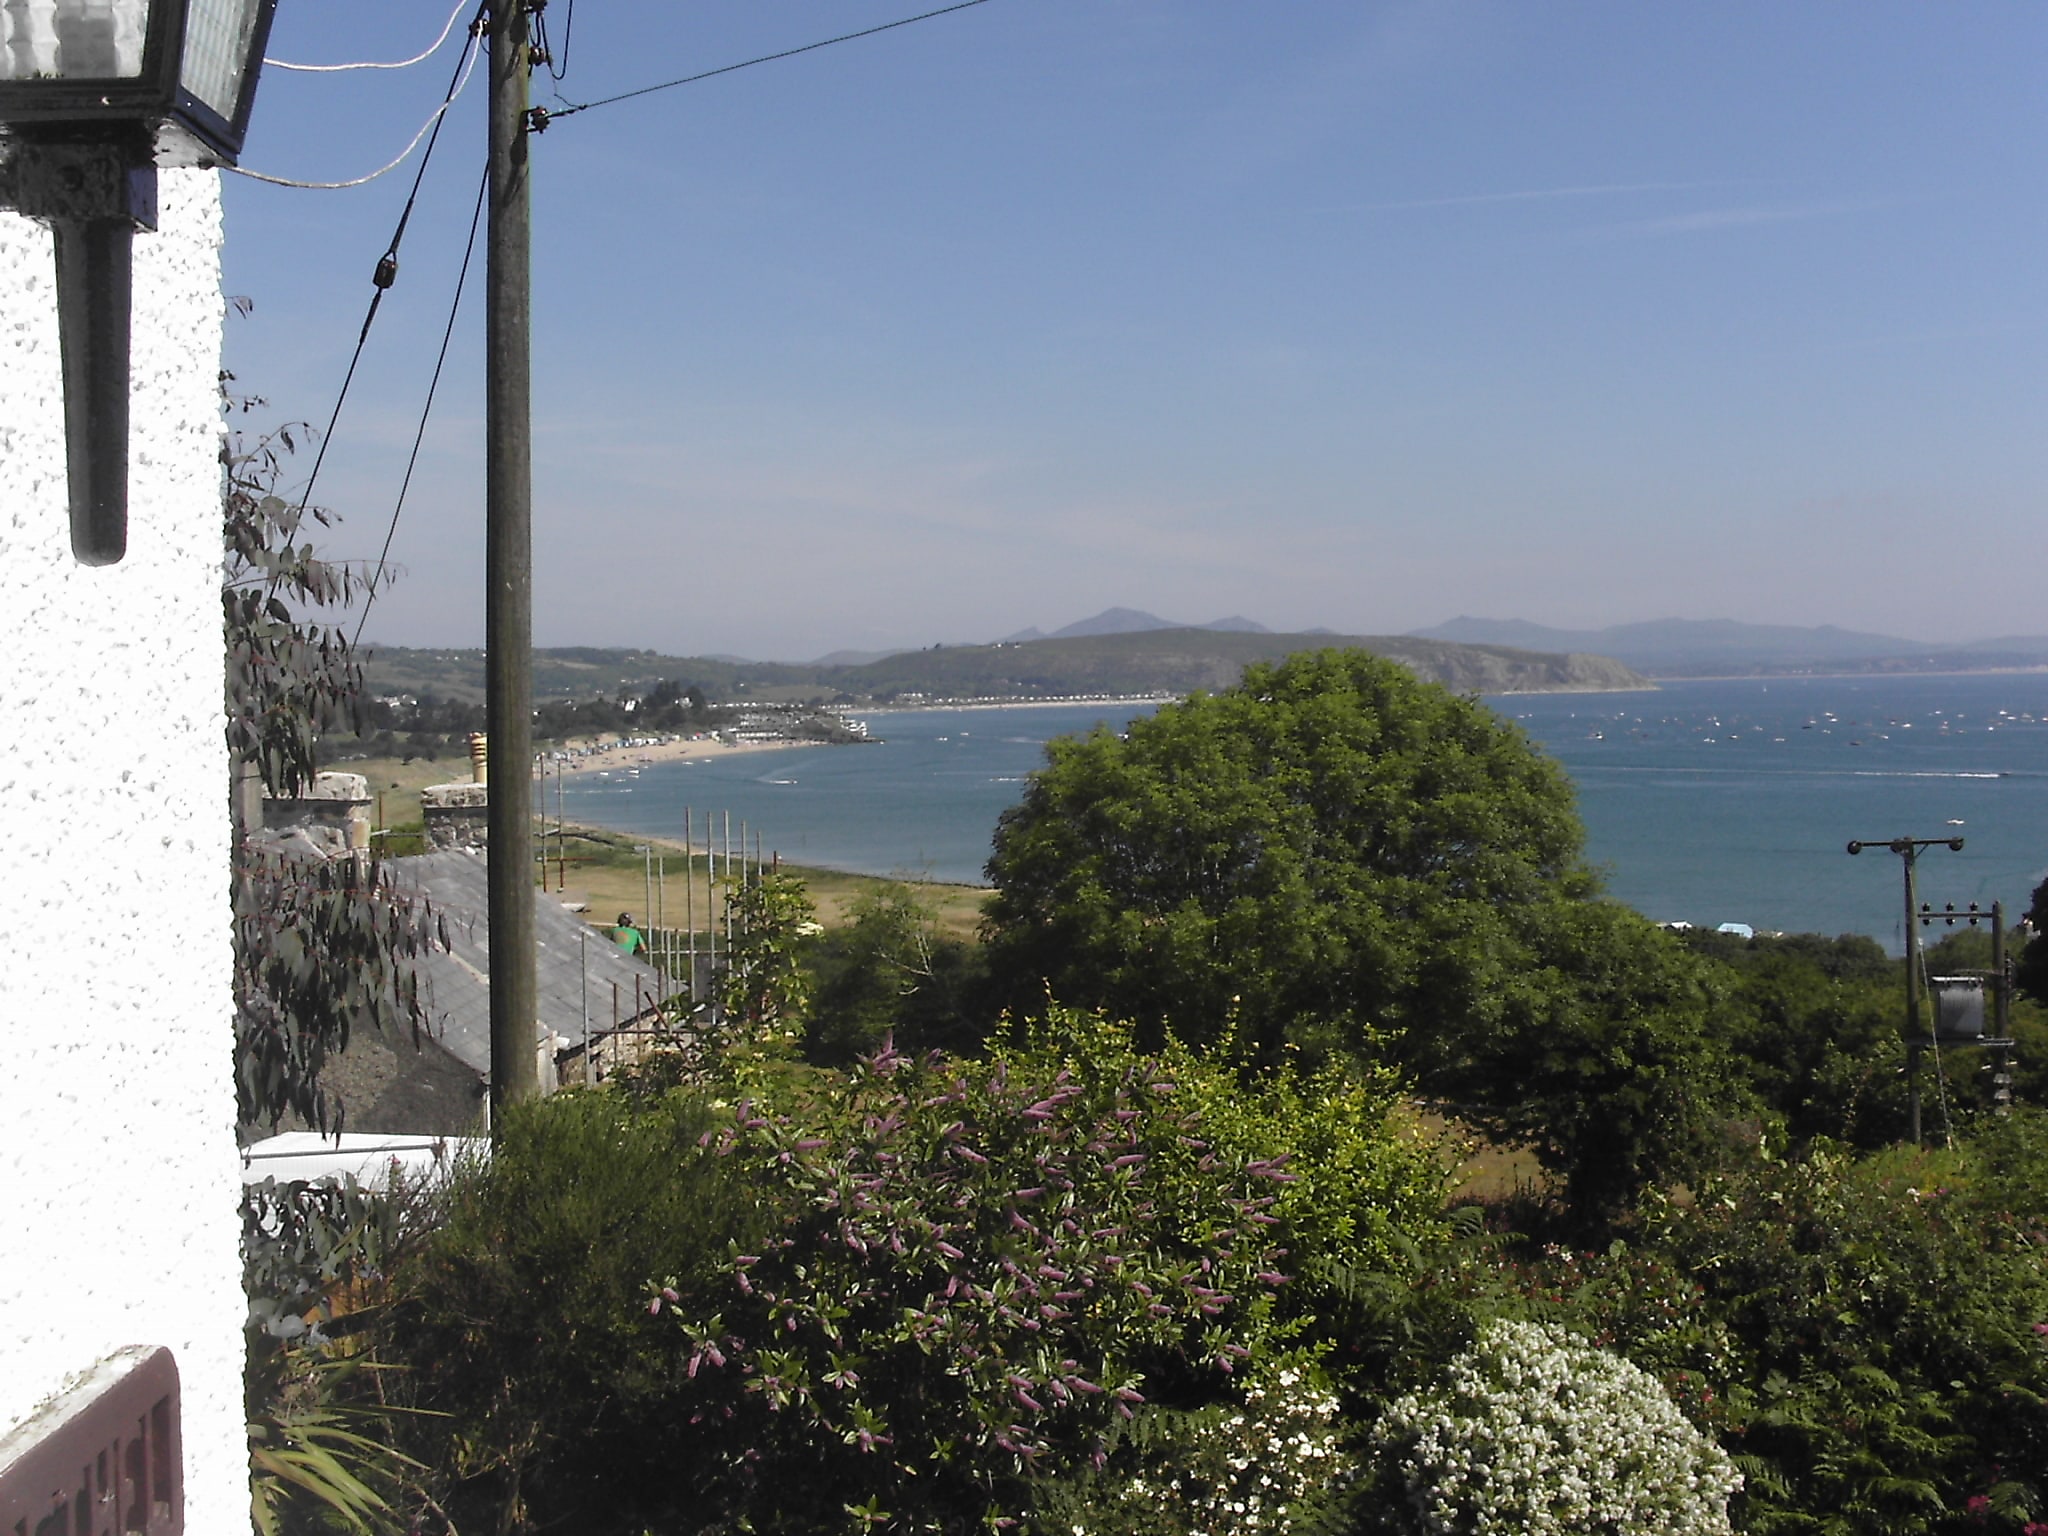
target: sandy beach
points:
(606, 756)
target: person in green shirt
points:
(627, 937)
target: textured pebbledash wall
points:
(118, 1168)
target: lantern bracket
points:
(94, 195)
(79, 180)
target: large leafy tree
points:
(1333, 853)
(1337, 858)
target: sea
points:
(1708, 802)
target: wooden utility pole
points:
(508, 563)
(1920, 1033)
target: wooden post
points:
(508, 560)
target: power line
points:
(418, 58)
(432, 125)
(426, 410)
(385, 274)
(544, 50)
(766, 58)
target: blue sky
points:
(1359, 316)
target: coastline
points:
(1107, 701)
(579, 757)
(1866, 674)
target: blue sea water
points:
(1707, 802)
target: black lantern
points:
(94, 96)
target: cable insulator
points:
(536, 119)
(387, 270)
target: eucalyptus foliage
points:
(322, 948)
(288, 679)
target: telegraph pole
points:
(1919, 1034)
(508, 564)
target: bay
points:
(1704, 801)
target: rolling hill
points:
(1132, 662)
(1726, 647)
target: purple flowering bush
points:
(925, 1295)
(976, 1271)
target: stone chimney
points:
(456, 816)
(333, 811)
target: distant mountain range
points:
(1149, 661)
(1132, 621)
(1659, 648)
(1723, 647)
(1126, 651)
(1111, 621)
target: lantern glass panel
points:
(72, 39)
(217, 38)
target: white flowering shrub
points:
(1534, 1431)
(1274, 1465)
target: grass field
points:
(604, 870)
(1487, 1171)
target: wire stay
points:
(766, 58)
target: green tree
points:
(1812, 1030)
(2030, 971)
(1332, 853)
(1338, 857)
(890, 969)
(763, 992)
(1603, 1055)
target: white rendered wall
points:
(118, 1168)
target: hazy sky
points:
(1339, 314)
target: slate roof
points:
(576, 964)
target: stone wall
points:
(118, 1158)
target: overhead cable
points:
(766, 58)
(543, 45)
(418, 58)
(375, 583)
(385, 274)
(431, 125)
